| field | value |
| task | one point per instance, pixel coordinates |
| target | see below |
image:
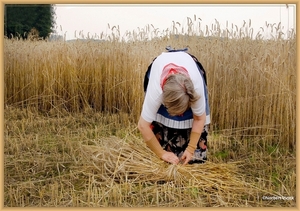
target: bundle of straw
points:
(123, 161)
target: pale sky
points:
(94, 18)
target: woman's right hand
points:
(170, 157)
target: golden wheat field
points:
(71, 111)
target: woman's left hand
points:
(186, 157)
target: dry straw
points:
(129, 161)
(252, 92)
(72, 160)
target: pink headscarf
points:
(171, 69)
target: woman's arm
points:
(153, 144)
(196, 131)
(144, 128)
(198, 123)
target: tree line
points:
(23, 20)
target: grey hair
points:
(178, 94)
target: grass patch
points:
(64, 165)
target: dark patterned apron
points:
(177, 140)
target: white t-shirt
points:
(153, 97)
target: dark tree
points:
(20, 19)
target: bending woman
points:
(173, 121)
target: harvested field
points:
(77, 160)
(71, 112)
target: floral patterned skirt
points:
(177, 140)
